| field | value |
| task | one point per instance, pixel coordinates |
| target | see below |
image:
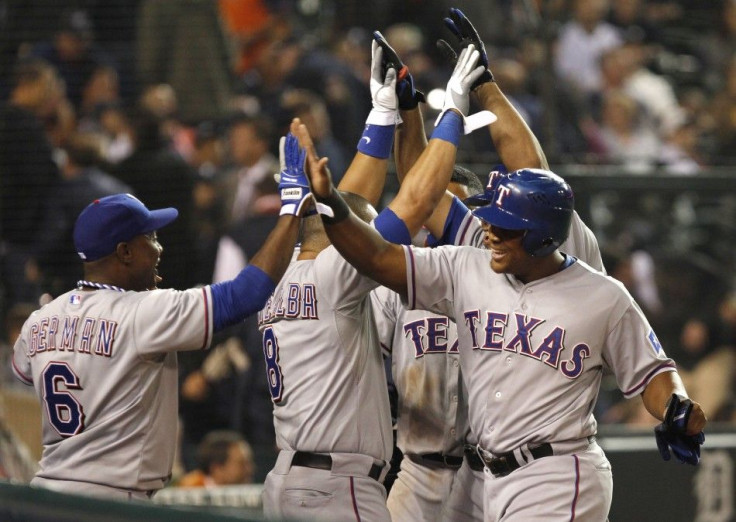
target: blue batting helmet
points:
(535, 200)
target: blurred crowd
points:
(182, 102)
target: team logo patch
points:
(655, 342)
(75, 299)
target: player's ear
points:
(124, 253)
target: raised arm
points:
(247, 293)
(359, 243)
(424, 186)
(366, 175)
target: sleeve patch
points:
(654, 342)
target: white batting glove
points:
(457, 93)
(383, 91)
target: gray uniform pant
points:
(345, 492)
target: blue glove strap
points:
(377, 140)
(450, 128)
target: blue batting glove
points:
(293, 183)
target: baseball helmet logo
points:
(535, 200)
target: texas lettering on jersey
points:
(90, 335)
(301, 303)
(548, 351)
(429, 335)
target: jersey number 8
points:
(273, 370)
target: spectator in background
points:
(250, 25)
(581, 42)
(113, 124)
(291, 63)
(633, 18)
(102, 89)
(624, 68)
(349, 48)
(183, 44)
(626, 141)
(208, 383)
(224, 458)
(158, 175)
(27, 170)
(82, 181)
(207, 157)
(249, 141)
(723, 111)
(311, 109)
(74, 53)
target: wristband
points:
(332, 208)
(392, 228)
(377, 140)
(449, 128)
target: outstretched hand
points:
(293, 183)
(409, 96)
(466, 34)
(316, 169)
(383, 88)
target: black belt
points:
(436, 460)
(320, 461)
(505, 463)
(471, 456)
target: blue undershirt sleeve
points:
(234, 300)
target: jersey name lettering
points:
(296, 301)
(548, 351)
(95, 336)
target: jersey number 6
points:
(273, 370)
(65, 413)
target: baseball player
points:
(432, 425)
(102, 357)
(536, 329)
(324, 362)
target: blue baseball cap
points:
(113, 219)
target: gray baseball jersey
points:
(423, 346)
(432, 398)
(104, 366)
(324, 362)
(533, 354)
(328, 386)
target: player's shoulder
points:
(599, 280)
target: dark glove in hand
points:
(408, 96)
(671, 436)
(466, 34)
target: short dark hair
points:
(468, 179)
(214, 448)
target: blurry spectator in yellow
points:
(224, 458)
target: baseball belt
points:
(503, 464)
(434, 460)
(472, 458)
(307, 459)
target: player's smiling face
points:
(145, 261)
(507, 254)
